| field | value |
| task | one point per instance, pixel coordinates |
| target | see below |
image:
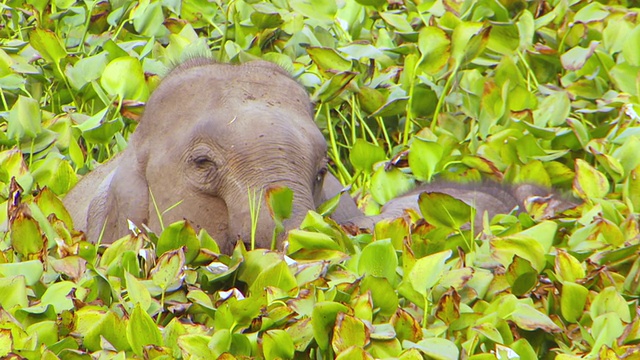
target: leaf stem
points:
(342, 170)
(445, 90)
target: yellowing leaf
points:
(349, 331)
(435, 48)
(589, 183)
(142, 331)
(168, 269)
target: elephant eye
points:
(203, 162)
(320, 175)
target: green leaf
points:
(544, 233)
(86, 70)
(567, 267)
(97, 325)
(490, 331)
(372, 3)
(195, 345)
(589, 183)
(435, 48)
(220, 342)
(277, 344)
(32, 270)
(467, 41)
(370, 100)
(406, 326)
(630, 51)
(606, 329)
(264, 20)
(277, 275)
(177, 235)
(334, 87)
(48, 44)
(528, 318)
(624, 76)
(56, 174)
(138, 293)
(437, 348)
(168, 269)
(24, 119)
(123, 77)
(427, 271)
(572, 301)
(379, 259)
(142, 331)
(349, 331)
(148, 18)
(300, 239)
(280, 202)
(631, 189)
(57, 295)
(26, 237)
(398, 21)
(521, 276)
(328, 60)
(575, 58)
(553, 110)
(615, 34)
(504, 39)
(424, 158)
(364, 155)
(394, 229)
(386, 185)
(525, 247)
(323, 320)
(323, 11)
(13, 292)
(444, 210)
(610, 301)
(526, 29)
(49, 203)
(591, 13)
(383, 294)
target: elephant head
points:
(211, 135)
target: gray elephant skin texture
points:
(210, 135)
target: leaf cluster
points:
(543, 92)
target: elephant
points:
(212, 134)
(486, 196)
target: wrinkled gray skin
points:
(211, 133)
(491, 197)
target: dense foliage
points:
(516, 91)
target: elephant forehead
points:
(261, 123)
(257, 80)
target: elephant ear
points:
(122, 196)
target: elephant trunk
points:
(241, 225)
